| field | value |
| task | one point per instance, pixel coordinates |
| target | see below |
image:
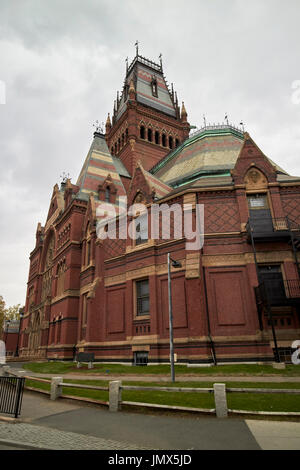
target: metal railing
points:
(115, 402)
(273, 291)
(11, 394)
(271, 224)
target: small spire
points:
(108, 124)
(183, 113)
(131, 90)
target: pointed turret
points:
(108, 124)
(131, 90)
(146, 122)
(183, 113)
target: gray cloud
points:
(62, 62)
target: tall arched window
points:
(156, 137)
(142, 132)
(150, 135)
(164, 140)
(170, 142)
(47, 274)
(61, 278)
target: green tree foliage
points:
(12, 313)
(8, 313)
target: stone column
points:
(220, 400)
(115, 395)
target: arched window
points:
(150, 135)
(156, 137)
(176, 143)
(47, 275)
(61, 278)
(112, 150)
(116, 148)
(164, 140)
(142, 132)
(170, 142)
(107, 194)
(123, 139)
(154, 86)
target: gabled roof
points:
(161, 189)
(98, 164)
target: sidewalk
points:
(62, 424)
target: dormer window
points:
(154, 86)
(107, 194)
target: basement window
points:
(140, 358)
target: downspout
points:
(212, 346)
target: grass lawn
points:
(238, 401)
(59, 367)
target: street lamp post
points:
(175, 264)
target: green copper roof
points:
(210, 151)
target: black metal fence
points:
(11, 394)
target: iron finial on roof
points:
(137, 47)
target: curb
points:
(24, 446)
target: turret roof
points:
(150, 87)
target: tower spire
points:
(183, 113)
(108, 124)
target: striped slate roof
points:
(210, 152)
(98, 164)
(161, 189)
(142, 72)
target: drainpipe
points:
(212, 346)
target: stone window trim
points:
(141, 298)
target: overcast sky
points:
(62, 62)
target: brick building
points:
(234, 299)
